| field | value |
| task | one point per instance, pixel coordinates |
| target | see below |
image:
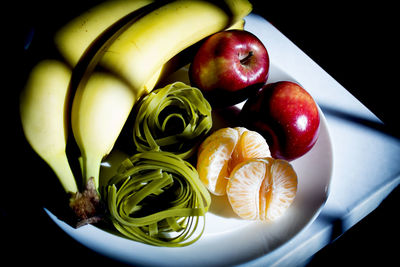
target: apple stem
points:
(245, 60)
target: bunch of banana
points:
(123, 48)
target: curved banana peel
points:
(99, 112)
(155, 38)
(43, 106)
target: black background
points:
(356, 43)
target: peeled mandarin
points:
(262, 189)
(223, 150)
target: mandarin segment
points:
(213, 159)
(284, 188)
(251, 144)
(244, 188)
(262, 189)
(223, 150)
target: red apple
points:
(287, 116)
(229, 66)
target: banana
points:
(99, 111)
(43, 105)
(143, 48)
(136, 57)
(78, 35)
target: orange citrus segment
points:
(244, 187)
(213, 159)
(284, 188)
(262, 189)
(250, 145)
(223, 150)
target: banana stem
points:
(87, 205)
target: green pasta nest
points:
(157, 198)
(174, 119)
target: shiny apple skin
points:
(229, 67)
(287, 116)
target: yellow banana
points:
(43, 106)
(99, 111)
(78, 35)
(143, 48)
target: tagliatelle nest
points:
(173, 119)
(157, 198)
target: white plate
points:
(228, 240)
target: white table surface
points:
(366, 160)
